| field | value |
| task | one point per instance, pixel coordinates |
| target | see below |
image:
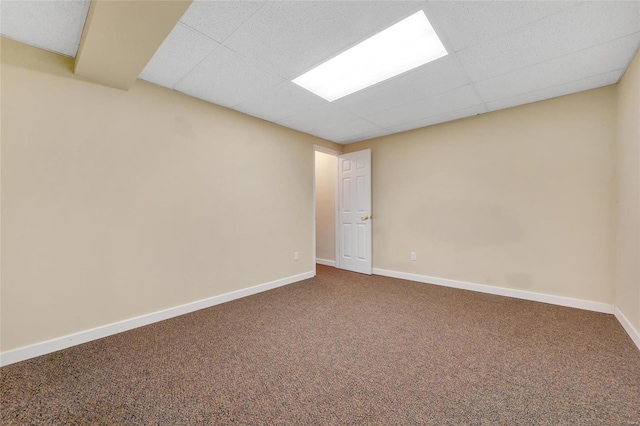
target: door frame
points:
(325, 150)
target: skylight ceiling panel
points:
(279, 102)
(467, 23)
(395, 50)
(328, 115)
(456, 99)
(293, 37)
(576, 66)
(182, 50)
(219, 19)
(576, 28)
(588, 83)
(430, 79)
(440, 118)
(51, 25)
(226, 78)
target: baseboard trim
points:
(628, 327)
(53, 345)
(325, 262)
(501, 291)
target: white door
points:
(353, 242)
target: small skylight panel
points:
(402, 47)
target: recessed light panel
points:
(402, 47)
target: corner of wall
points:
(627, 200)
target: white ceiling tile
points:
(576, 66)
(182, 50)
(466, 23)
(588, 83)
(353, 128)
(326, 116)
(441, 118)
(50, 25)
(515, 52)
(219, 19)
(363, 137)
(292, 37)
(456, 99)
(435, 77)
(280, 101)
(226, 78)
(576, 28)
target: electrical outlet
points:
(413, 255)
(296, 256)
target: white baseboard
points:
(325, 262)
(501, 291)
(42, 348)
(628, 327)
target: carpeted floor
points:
(341, 349)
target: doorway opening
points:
(325, 197)
(342, 231)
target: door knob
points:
(364, 218)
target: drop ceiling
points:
(244, 54)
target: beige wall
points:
(521, 198)
(117, 204)
(326, 175)
(628, 195)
